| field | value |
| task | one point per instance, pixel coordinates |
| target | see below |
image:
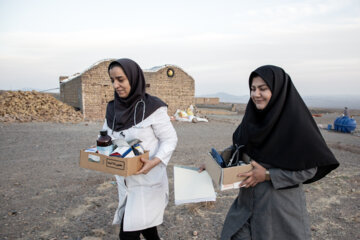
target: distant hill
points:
(334, 101)
(330, 101)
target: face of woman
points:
(260, 93)
(120, 81)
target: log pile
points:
(25, 106)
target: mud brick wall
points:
(97, 92)
(177, 91)
(200, 100)
(70, 92)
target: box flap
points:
(230, 174)
(214, 170)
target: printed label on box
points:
(118, 164)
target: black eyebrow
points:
(263, 85)
(118, 77)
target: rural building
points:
(172, 84)
(91, 90)
(205, 100)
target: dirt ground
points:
(46, 195)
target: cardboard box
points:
(225, 178)
(114, 165)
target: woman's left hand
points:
(148, 165)
(253, 177)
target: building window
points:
(170, 72)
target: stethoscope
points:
(135, 123)
(143, 114)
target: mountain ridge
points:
(326, 101)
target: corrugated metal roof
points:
(153, 69)
(92, 66)
(157, 68)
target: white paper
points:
(94, 149)
(93, 158)
(190, 186)
(234, 185)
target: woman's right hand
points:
(202, 167)
(253, 177)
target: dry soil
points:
(46, 195)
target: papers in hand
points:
(190, 186)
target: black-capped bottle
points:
(104, 144)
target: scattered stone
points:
(91, 238)
(12, 213)
(195, 233)
(98, 232)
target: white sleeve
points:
(106, 127)
(165, 132)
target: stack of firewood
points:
(25, 106)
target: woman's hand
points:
(148, 165)
(253, 177)
(201, 168)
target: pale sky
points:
(217, 42)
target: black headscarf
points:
(283, 134)
(123, 109)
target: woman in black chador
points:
(286, 150)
